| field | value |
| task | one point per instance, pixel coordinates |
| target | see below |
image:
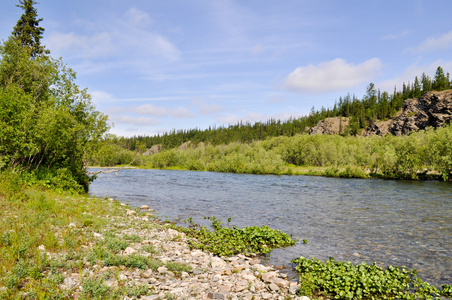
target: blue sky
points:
(155, 65)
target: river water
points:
(399, 223)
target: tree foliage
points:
(46, 120)
(27, 29)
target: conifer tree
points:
(441, 82)
(27, 29)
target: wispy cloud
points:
(133, 120)
(96, 45)
(442, 42)
(129, 40)
(395, 36)
(149, 109)
(329, 76)
(208, 109)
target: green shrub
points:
(224, 241)
(341, 280)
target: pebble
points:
(211, 277)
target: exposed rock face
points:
(379, 128)
(185, 146)
(153, 150)
(330, 126)
(433, 109)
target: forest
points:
(375, 105)
(285, 147)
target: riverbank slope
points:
(66, 246)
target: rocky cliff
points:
(330, 126)
(433, 109)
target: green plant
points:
(178, 267)
(230, 241)
(132, 238)
(150, 249)
(114, 243)
(95, 289)
(342, 280)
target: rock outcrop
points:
(433, 109)
(330, 126)
(153, 150)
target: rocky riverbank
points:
(200, 276)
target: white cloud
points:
(396, 35)
(210, 109)
(207, 109)
(128, 40)
(102, 97)
(257, 49)
(331, 76)
(133, 120)
(149, 109)
(137, 17)
(439, 43)
(82, 46)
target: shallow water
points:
(402, 223)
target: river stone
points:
(144, 207)
(273, 287)
(129, 250)
(262, 268)
(177, 291)
(267, 277)
(249, 277)
(152, 297)
(131, 212)
(213, 295)
(281, 282)
(217, 262)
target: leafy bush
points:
(224, 241)
(341, 280)
(46, 120)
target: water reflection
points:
(390, 222)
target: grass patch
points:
(44, 233)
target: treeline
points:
(420, 155)
(375, 105)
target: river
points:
(399, 223)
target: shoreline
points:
(351, 172)
(203, 275)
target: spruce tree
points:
(441, 82)
(27, 29)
